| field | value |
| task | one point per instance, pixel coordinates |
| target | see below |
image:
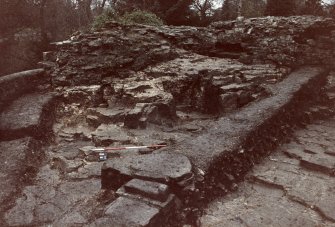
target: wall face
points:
(289, 41)
(153, 72)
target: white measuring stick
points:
(124, 148)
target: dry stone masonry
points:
(143, 74)
(220, 98)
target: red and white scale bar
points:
(106, 149)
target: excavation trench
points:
(236, 141)
(221, 98)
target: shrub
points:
(135, 17)
(141, 17)
(104, 18)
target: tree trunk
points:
(88, 10)
(239, 8)
(44, 36)
(101, 8)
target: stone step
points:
(171, 169)
(14, 85)
(147, 189)
(130, 213)
(150, 203)
(29, 115)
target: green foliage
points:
(141, 17)
(250, 8)
(104, 18)
(172, 12)
(135, 17)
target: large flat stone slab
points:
(54, 201)
(30, 115)
(129, 212)
(315, 190)
(315, 147)
(313, 157)
(107, 134)
(281, 191)
(166, 168)
(278, 192)
(258, 205)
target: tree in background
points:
(98, 6)
(331, 9)
(17, 14)
(173, 12)
(204, 11)
(253, 8)
(249, 8)
(229, 9)
(281, 8)
(56, 18)
(27, 26)
(313, 7)
(84, 11)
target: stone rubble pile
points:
(286, 41)
(142, 74)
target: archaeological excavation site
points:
(133, 125)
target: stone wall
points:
(14, 85)
(289, 41)
(148, 73)
(88, 58)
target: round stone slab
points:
(160, 167)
